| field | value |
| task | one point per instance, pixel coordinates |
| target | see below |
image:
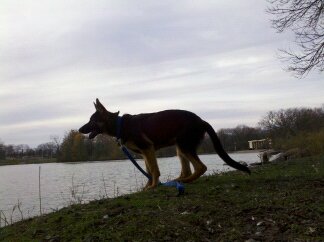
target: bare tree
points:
(56, 140)
(306, 19)
(2, 151)
(291, 121)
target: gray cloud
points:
(216, 58)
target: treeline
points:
(237, 138)
(301, 128)
(47, 150)
(76, 147)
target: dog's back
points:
(164, 128)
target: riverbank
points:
(24, 161)
(279, 201)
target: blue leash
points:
(180, 187)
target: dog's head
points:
(102, 121)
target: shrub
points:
(310, 142)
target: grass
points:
(278, 202)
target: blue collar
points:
(119, 126)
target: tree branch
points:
(306, 20)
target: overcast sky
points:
(216, 58)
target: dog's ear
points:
(99, 107)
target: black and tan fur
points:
(145, 133)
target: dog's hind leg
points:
(199, 167)
(185, 166)
(152, 166)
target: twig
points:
(12, 212)
(20, 211)
(4, 218)
(104, 183)
(39, 190)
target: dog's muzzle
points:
(91, 128)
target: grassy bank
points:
(281, 201)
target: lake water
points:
(63, 184)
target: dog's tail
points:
(220, 150)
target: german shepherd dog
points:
(145, 133)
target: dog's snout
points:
(85, 129)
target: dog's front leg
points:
(149, 181)
(152, 167)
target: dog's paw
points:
(151, 187)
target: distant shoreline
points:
(54, 160)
